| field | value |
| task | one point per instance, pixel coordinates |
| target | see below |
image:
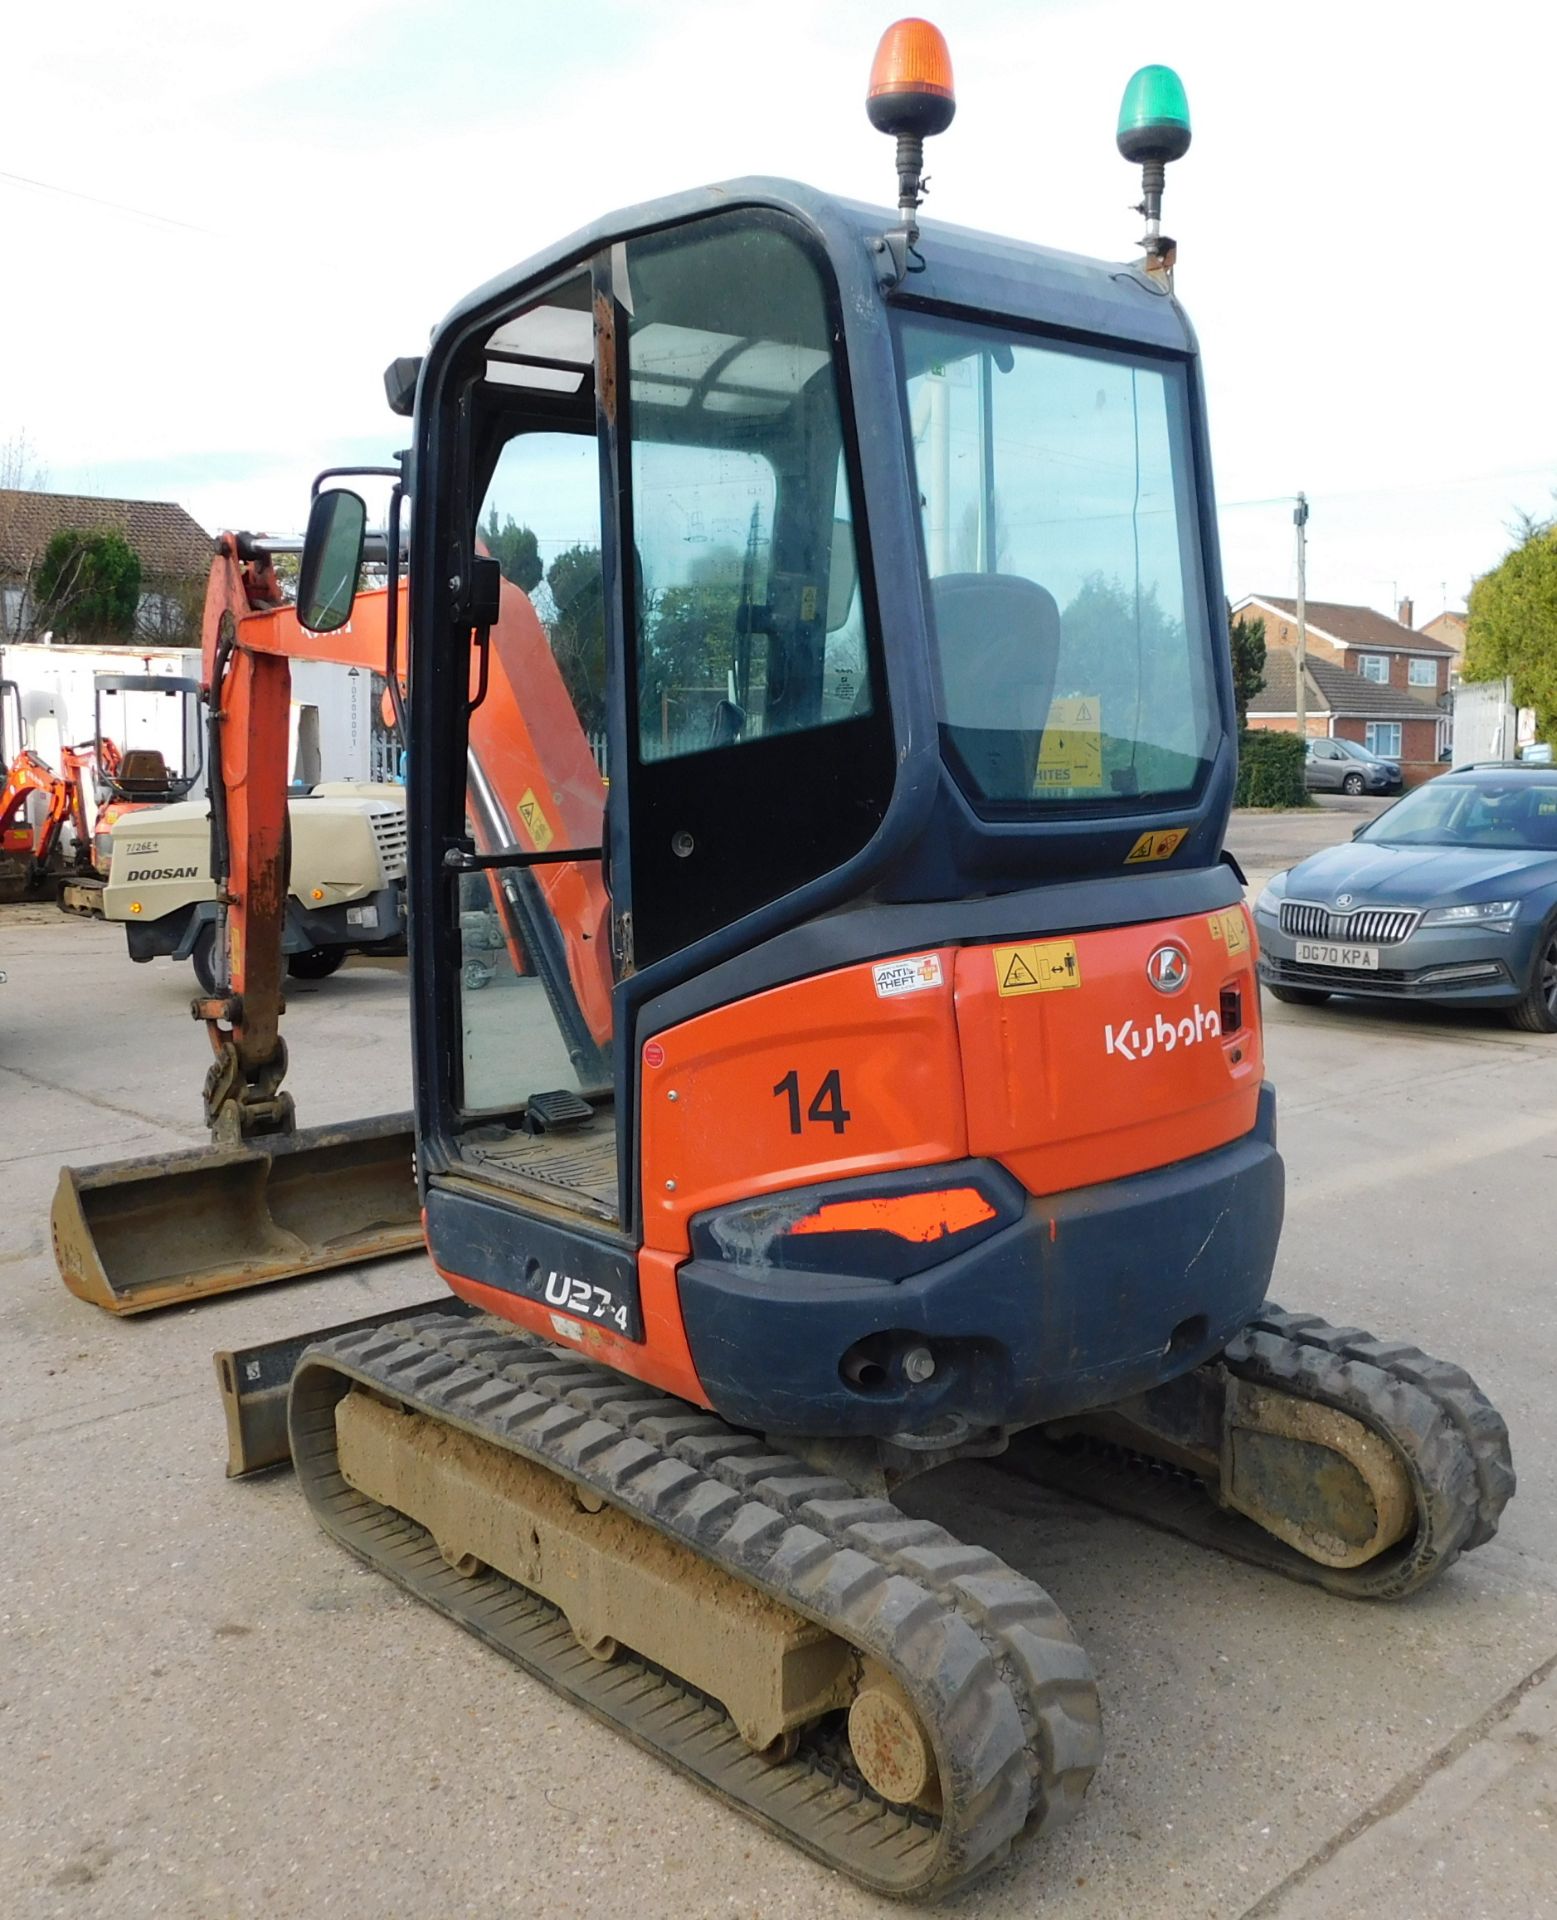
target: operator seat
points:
(143, 770)
(999, 645)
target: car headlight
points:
(1271, 895)
(1477, 913)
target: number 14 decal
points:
(826, 1108)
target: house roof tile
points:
(1333, 689)
(168, 541)
(1352, 626)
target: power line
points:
(1385, 491)
(114, 206)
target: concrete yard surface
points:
(207, 1710)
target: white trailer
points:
(57, 691)
(1485, 721)
(331, 719)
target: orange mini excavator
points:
(28, 862)
(914, 1105)
(121, 783)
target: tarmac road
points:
(208, 1710)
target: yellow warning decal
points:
(536, 824)
(1157, 846)
(1070, 754)
(1042, 966)
(1231, 929)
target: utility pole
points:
(1300, 521)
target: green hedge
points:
(1270, 770)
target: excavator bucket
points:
(161, 1231)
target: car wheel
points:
(1299, 996)
(1352, 783)
(1537, 1012)
(202, 957)
(316, 963)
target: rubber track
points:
(1004, 1690)
(1453, 1442)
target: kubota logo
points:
(1168, 968)
(1162, 1035)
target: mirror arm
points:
(392, 616)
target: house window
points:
(1423, 673)
(1375, 667)
(1383, 738)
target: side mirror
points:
(332, 555)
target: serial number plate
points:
(1323, 953)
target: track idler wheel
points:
(1360, 1465)
(1313, 1476)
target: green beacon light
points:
(1154, 129)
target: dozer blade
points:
(174, 1227)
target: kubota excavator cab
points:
(929, 1097)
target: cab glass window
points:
(760, 731)
(535, 760)
(1060, 530)
(739, 495)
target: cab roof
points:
(1113, 301)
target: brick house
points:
(174, 551)
(1387, 652)
(1397, 723)
(1449, 628)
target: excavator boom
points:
(269, 1201)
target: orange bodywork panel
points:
(814, 1081)
(1057, 1058)
(1093, 1073)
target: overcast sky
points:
(1364, 225)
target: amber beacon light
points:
(911, 97)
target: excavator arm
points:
(269, 1201)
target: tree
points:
(1246, 638)
(690, 644)
(516, 551)
(1512, 627)
(21, 471)
(20, 467)
(1121, 646)
(577, 630)
(170, 613)
(88, 585)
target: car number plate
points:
(1325, 953)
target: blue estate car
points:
(1450, 896)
